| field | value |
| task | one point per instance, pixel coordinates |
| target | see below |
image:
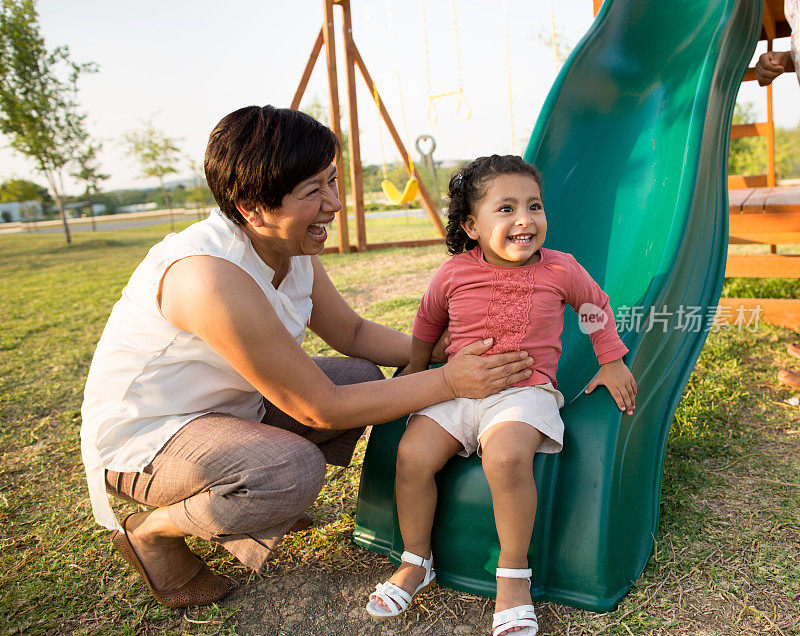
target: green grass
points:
(727, 558)
(761, 288)
(392, 229)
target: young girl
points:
(500, 284)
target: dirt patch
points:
(328, 602)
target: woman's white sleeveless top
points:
(149, 378)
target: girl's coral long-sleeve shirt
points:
(522, 308)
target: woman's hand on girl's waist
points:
(471, 374)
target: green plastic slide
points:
(632, 141)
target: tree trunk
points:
(91, 210)
(169, 205)
(51, 180)
(63, 215)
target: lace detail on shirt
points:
(508, 313)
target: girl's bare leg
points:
(423, 452)
(508, 449)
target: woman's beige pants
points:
(243, 484)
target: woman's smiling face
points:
(310, 208)
(509, 222)
(299, 225)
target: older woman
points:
(200, 401)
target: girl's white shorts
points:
(467, 419)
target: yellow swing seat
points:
(395, 196)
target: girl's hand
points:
(438, 354)
(620, 384)
(470, 374)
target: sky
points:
(184, 65)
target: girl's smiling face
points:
(509, 222)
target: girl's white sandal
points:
(396, 597)
(520, 616)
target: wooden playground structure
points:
(353, 59)
(760, 211)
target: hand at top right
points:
(770, 65)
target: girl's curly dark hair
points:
(468, 186)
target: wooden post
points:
(356, 175)
(770, 134)
(770, 27)
(423, 192)
(333, 90)
(312, 60)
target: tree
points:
(38, 109)
(747, 155)
(22, 190)
(89, 173)
(157, 154)
(318, 111)
(787, 158)
(555, 39)
(197, 195)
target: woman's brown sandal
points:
(304, 522)
(204, 587)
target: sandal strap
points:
(415, 559)
(399, 598)
(520, 616)
(511, 573)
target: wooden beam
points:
(408, 243)
(333, 91)
(596, 4)
(760, 129)
(763, 266)
(750, 75)
(765, 238)
(312, 60)
(747, 181)
(390, 244)
(356, 173)
(783, 312)
(764, 222)
(427, 202)
(786, 211)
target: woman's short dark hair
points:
(467, 188)
(258, 154)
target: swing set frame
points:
(353, 59)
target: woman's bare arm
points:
(219, 303)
